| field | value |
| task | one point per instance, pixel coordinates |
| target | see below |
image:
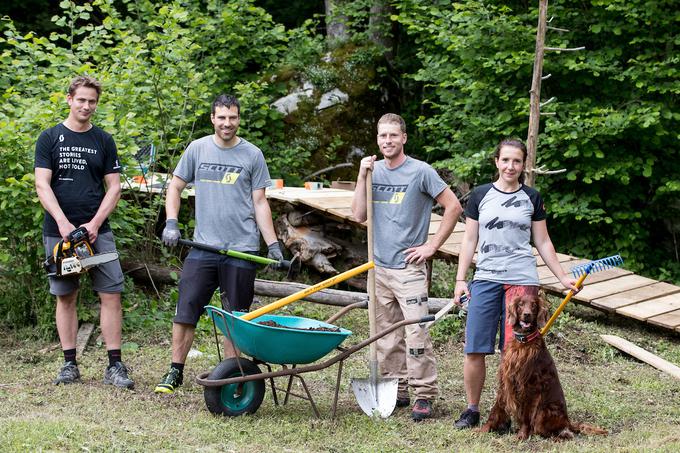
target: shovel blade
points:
(376, 396)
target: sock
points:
(473, 407)
(70, 356)
(114, 356)
(179, 366)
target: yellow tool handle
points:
(307, 291)
(552, 319)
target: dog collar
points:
(526, 337)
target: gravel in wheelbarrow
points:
(317, 329)
(291, 340)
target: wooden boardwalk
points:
(615, 290)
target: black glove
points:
(274, 252)
(171, 233)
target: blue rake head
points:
(597, 265)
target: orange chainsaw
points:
(75, 256)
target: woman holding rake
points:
(501, 218)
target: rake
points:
(581, 272)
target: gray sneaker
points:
(118, 375)
(68, 375)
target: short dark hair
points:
(225, 100)
(393, 118)
(87, 82)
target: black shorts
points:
(202, 273)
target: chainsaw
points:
(75, 256)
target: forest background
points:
(459, 72)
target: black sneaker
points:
(468, 419)
(421, 410)
(117, 375)
(68, 374)
(170, 381)
(403, 402)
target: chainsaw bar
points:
(95, 260)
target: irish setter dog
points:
(529, 389)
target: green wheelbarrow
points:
(237, 386)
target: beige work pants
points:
(407, 352)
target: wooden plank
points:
(613, 286)
(651, 308)
(331, 203)
(646, 356)
(455, 238)
(635, 295)
(560, 257)
(83, 336)
(434, 226)
(669, 320)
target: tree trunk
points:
(381, 27)
(336, 22)
(535, 95)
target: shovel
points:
(293, 266)
(375, 395)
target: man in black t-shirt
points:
(78, 184)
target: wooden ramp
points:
(615, 290)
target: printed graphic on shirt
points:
(513, 202)
(388, 193)
(218, 173)
(500, 224)
(72, 158)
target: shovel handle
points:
(307, 291)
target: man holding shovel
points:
(403, 191)
(230, 176)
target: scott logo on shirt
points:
(389, 194)
(218, 173)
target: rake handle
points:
(552, 319)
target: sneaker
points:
(403, 402)
(170, 381)
(117, 375)
(68, 374)
(468, 419)
(421, 410)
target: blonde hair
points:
(393, 118)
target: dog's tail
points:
(587, 429)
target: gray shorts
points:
(106, 278)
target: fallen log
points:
(269, 288)
(335, 297)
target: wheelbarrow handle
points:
(284, 264)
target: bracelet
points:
(461, 280)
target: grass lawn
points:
(639, 405)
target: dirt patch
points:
(316, 329)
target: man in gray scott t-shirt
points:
(404, 191)
(230, 176)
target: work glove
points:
(274, 252)
(170, 233)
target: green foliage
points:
(161, 64)
(616, 122)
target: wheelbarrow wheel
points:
(234, 399)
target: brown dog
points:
(529, 389)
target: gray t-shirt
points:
(224, 179)
(503, 247)
(402, 205)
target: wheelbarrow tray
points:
(278, 345)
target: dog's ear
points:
(511, 310)
(542, 315)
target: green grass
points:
(639, 405)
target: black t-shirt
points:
(79, 161)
